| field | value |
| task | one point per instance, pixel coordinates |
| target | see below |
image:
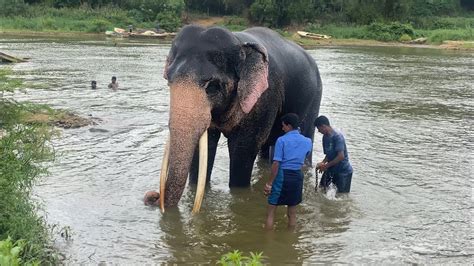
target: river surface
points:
(407, 114)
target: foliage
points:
(10, 252)
(12, 7)
(99, 25)
(236, 258)
(405, 38)
(234, 23)
(7, 83)
(98, 15)
(443, 22)
(264, 12)
(438, 36)
(24, 147)
(389, 32)
(169, 16)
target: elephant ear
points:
(253, 75)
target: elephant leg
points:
(266, 152)
(242, 157)
(307, 129)
(307, 123)
(213, 139)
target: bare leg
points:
(270, 214)
(291, 212)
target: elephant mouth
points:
(201, 184)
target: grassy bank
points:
(24, 145)
(41, 18)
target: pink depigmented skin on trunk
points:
(190, 116)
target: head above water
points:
(114, 78)
(93, 84)
(323, 125)
(291, 121)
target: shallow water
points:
(407, 115)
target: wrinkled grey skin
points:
(239, 85)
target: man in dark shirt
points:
(336, 161)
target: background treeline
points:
(383, 20)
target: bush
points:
(389, 32)
(405, 38)
(234, 23)
(99, 25)
(12, 7)
(10, 252)
(168, 21)
(264, 12)
(443, 22)
(438, 36)
(23, 147)
(236, 258)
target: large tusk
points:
(202, 172)
(164, 175)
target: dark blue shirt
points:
(333, 144)
(291, 150)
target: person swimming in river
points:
(114, 84)
(93, 84)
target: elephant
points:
(237, 84)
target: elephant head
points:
(214, 81)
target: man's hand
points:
(321, 166)
(267, 189)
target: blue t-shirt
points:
(291, 150)
(333, 144)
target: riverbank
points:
(26, 130)
(291, 35)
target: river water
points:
(407, 115)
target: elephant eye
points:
(213, 87)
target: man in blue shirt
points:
(336, 162)
(285, 186)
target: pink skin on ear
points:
(258, 83)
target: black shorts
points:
(287, 188)
(342, 181)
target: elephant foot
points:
(152, 198)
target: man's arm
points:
(273, 174)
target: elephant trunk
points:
(190, 116)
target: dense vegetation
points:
(363, 19)
(24, 237)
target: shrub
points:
(438, 36)
(10, 252)
(99, 25)
(168, 21)
(389, 32)
(236, 258)
(12, 7)
(23, 147)
(264, 12)
(234, 23)
(405, 38)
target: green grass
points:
(24, 146)
(440, 35)
(39, 18)
(236, 258)
(384, 32)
